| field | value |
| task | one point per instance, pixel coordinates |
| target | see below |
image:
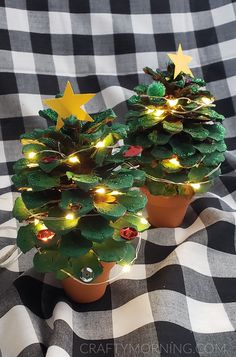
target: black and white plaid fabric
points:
(179, 299)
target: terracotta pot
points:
(87, 292)
(166, 211)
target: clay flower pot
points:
(166, 211)
(87, 292)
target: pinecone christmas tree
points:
(180, 135)
(78, 206)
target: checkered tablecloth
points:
(179, 299)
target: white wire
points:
(4, 265)
(8, 258)
(8, 254)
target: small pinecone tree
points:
(77, 210)
(182, 137)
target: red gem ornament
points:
(128, 233)
(49, 159)
(45, 235)
(133, 151)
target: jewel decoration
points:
(45, 235)
(181, 62)
(75, 207)
(69, 104)
(86, 274)
(49, 159)
(128, 233)
(133, 151)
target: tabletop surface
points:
(179, 298)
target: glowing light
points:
(70, 216)
(29, 189)
(195, 186)
(116, 193)
(36, 221)
(31, 154)
(41, 226)
(206, 100)
(74, 159)
(154, 111)
(100, 144)
(126, 268)
(158, 112)
(175, 162)
(139, 213)
(32, 165)
(100, 190)
(143, 220)
(172, 102)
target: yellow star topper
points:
(181, 62)
(69, 104)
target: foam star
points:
(69, 104)
(181, 62)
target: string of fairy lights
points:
(72, 158)
(173, 161)
(174, 103)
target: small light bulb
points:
(100, 144)
(32, 165)
(126, 268)
(174, 161)
(195, 186)
(116, 193)
(172, 102)
(143, 220)
(31, 154)
(36, 221)
(206, 100)
(29, 189)
(158, 112)
(74, 159)
(70, 216)
(41, 226)
(100, 190)
(149, 111)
